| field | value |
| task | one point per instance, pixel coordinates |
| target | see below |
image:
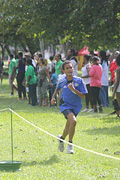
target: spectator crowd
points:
(35, 78)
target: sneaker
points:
(61, 145)
(90, 110)
(70, 149)
(85, 110)
(11, 94)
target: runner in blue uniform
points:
(70, 103)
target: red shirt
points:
(96, 75)
(113, 67)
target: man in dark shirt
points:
(21, 76)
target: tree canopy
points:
(80, 22)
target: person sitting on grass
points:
(70, 103)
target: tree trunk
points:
(7, 49)
(24, 47)
(16, 49)
(42, 46)
(3, 51)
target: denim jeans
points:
(52, 89)
(103, 95)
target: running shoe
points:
(61, 145)
(85, 110)
(70, 149)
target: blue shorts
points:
(68, 111)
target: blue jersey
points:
(70, 100)
(54, 79)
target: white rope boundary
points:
(88, 150)
(4, 109)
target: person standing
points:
(12, 74)
(58, 64)
(105, 80)
(51, 64)
(21, 76)
(28, 56)
(95, 73)
(116, 88)
(86, 80)
(54, 82)
(31, 80)
(71, 56)
(37, 56)
(60, 79)
(70, 103)
(42, 76)
(113, 67)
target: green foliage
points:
(93, 23)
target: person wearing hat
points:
(28, 56)
(31, 80)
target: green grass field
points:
(39, 152)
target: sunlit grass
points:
(39, 152)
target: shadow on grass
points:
(94, 115)
(110, 119)
(107, 131)
(53, 159)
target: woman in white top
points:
(105, 79)
(116, 89)
(86, 79)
